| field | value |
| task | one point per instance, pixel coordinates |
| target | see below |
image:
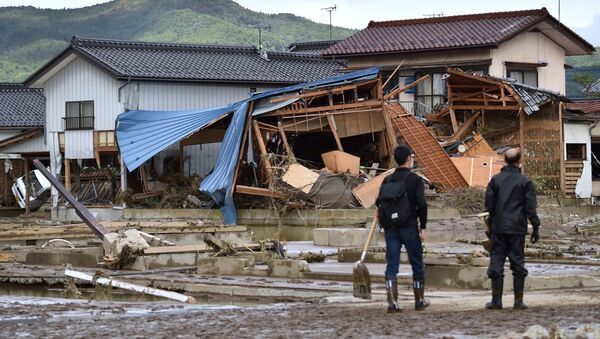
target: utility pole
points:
(330, 9)
(260, 28)
(558, 10)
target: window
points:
(524, 76)
(79, 115)
(576, 152)
(105, 139)
(430, 93)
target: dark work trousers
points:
(409, 237)
(511, 246)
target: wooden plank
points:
(287, 146)
(488, 107)
(327, 108)
(392, 75)
(263, 192)
(464, 128)
(300, 177)
(366, 193)
(400, 90)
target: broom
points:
(360, 275)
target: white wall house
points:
(92, 81)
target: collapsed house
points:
(336, 125)
(485, 115)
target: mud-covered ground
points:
(450, 316)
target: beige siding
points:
(533, 47)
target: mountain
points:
(30, 36)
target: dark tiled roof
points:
(21, 107)
(474, 30)
(311, 47)
(534, 97)
(191, 62)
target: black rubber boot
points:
(519, 286)
(497, 287)
(419, 290)
(391, 288)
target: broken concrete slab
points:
(345, 237)
(78, 257)
(285, 268)
(222, 266)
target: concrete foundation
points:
(346, 237)
(77, 257)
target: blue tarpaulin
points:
(143, 134)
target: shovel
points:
(361, 279)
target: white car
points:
(39, 190)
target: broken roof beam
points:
(326, 108)
(464, 129)
(323, 92)
(400, 90)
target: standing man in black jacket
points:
(510, 200)
(410, 233)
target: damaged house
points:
(92, 81)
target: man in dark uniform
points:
(410, 233)
(510, 200)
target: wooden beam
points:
(20, 137)
(68, 174)
(263, 192)
(263, 149)
(327, 108)
(181, 159)
(400, 90)
(464, 128)
(488, 108)
(288, 149)
(392, 75)
(331, 121)
(144, 176)
(27, 186)
(453, 119)
(242, 144)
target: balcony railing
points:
(74, 123)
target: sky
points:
(582, 16)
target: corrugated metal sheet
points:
(436, 164)
(79, 144)
(219, 183)
(142, 134)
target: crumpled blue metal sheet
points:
(219, 184)
(143, 134)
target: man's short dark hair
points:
(401, 153)
(512, 156)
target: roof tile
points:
(22, 107)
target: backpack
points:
(393, 204)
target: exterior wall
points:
(7, 133)
(532, 47)
(579, 134)
(33, 145)
(80, 81)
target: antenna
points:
(260, 28)
(330, 9)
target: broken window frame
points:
(573, 150)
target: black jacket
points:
(510, 200)
(415, 191)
